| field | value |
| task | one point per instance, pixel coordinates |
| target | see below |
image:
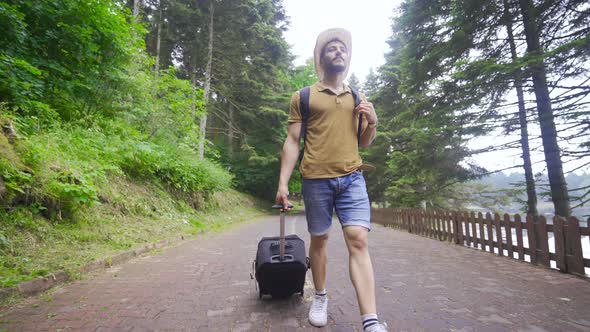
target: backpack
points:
(304, 109)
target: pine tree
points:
(426, 130)
(354, 82)
(559, 192)
(451, 62)
(371, 86)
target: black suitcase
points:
(281, 264)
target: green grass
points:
(70, 195)
(134, 214)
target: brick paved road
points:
(204, 285)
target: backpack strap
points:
(304, 110)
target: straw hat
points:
(324, 38)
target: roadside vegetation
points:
(98, 147)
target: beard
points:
(336, 68)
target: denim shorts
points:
(346, 194)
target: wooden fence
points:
(513, 237)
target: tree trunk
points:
(559, 193)
(194, 101)
(136, 8)
(207, 82)
(524, 135)
(230, 133)
(157, 67)
(2, 188)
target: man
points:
(332, 179)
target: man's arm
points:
(288, 160)
(369, 130)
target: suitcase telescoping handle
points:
(282, 238)
(280, 207)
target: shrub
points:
(177, 167)
(67, 165)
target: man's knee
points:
(319, 241)
(356, 237)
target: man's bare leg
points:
(318, 311)
(318, 256)
(361, 268)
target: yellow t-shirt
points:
(331, 145)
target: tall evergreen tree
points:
(354, 82)
(208, 73)
(427, 128)
(249, 80)
(371, 85)
(459, 62)
(537, 68)
(522, 114)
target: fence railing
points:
(557, 244)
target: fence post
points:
(519, 241)
(498, 226)
(421, 217)
(530, 232)
(490, 229)
(447, 221)
(438, 220)
(573, 247)
(558, 230)
(420, 222)
(482, 232)
(431, 224)
(466, 231)
(508, 231)
(406, 220)
(461, 232)
(455, 228)
(542, 242)
(474, 238)
(424, 221)
(429, 219)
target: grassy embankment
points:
(73, 195)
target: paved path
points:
(204, 285)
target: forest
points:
(119, 116)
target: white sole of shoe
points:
(317, 325)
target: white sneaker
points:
(377, 328)
(318, 312)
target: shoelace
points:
(317, 306)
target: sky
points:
(368, 21)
